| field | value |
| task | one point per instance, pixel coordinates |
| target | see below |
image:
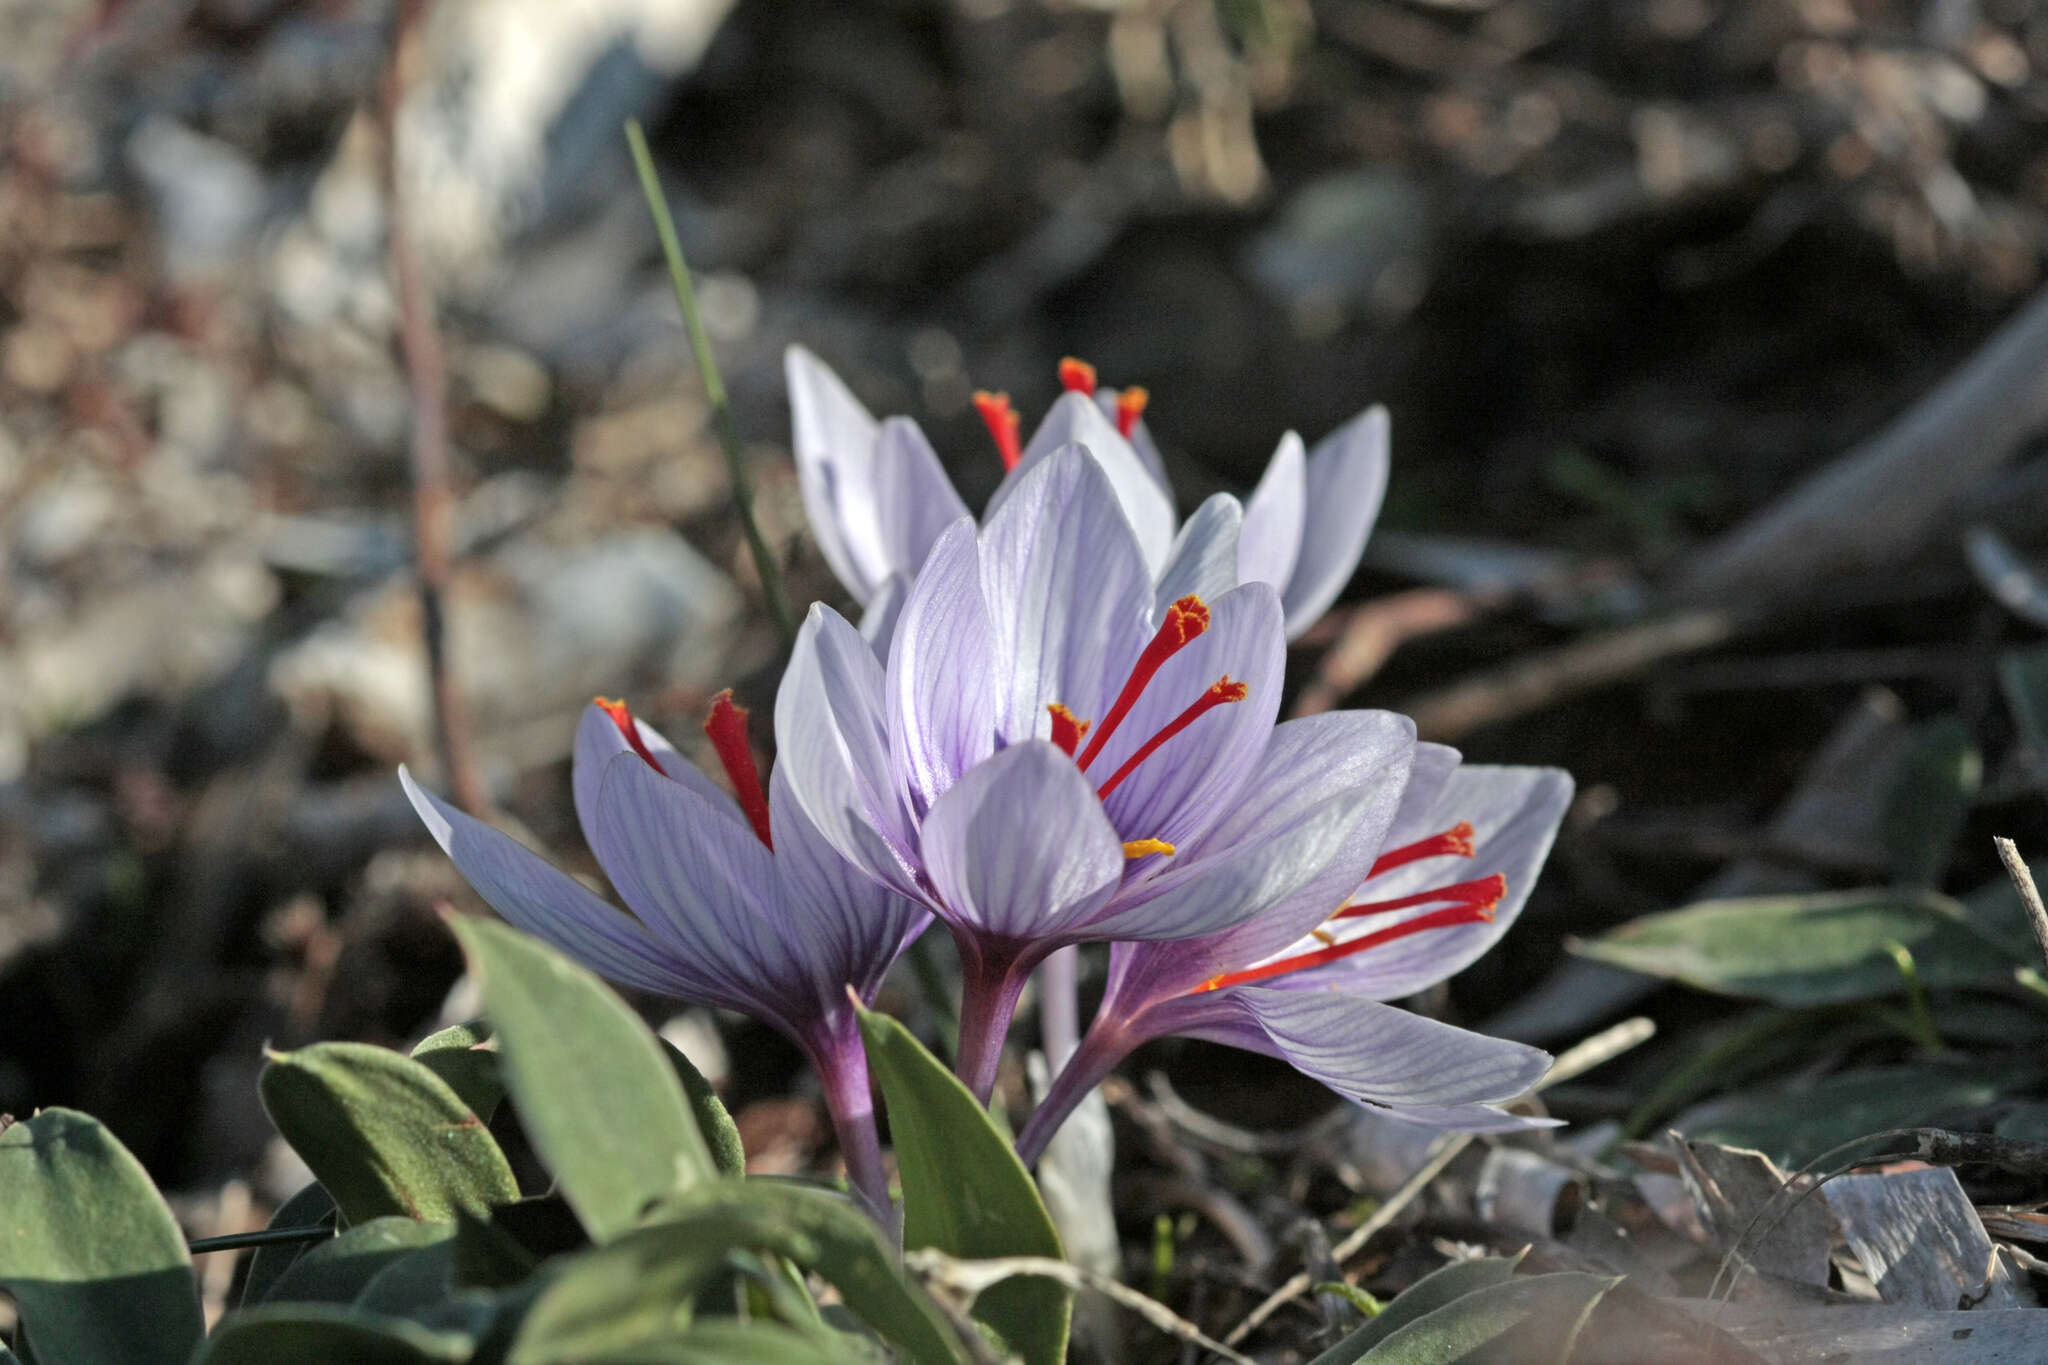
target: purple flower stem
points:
(994, 978)
(842, 1065)
(1097, 1056)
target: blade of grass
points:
(714, 386)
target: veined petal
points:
(598, 742)
(703, 883)
(1068, 593)
(1205, 555)
(1427, 774)
(1075, 420)
(1186, 786)
(832, 736)
(1514, 814)
(915, 501)
(851, 928)
(1346, 481)
(942, 697)
(1274, 516)
(538, 897)
(878, 621)
(1140, 439)
(1019, 848)
(834, 438)
(1373, 1052)
(1470, 1118)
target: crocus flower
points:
(878, 498)
(720, 916)
(1307, 985)
(1046, 740)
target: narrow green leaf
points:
(1930, 800)
(721, 1134)
(461, 1055)
(600, 1102)
(1807, 950)
(331, 1335)
(310, 1207)
(384, 1133)
(739, 1343)
(89, 1250)
(636, 1288)
(413, 1285)
(1420, 1299)
(1793, 1123)
(337, 1271)
(964, 1190)
(1534, 1318)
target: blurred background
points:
(1625, 274)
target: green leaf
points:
(1930, 800)
(635, 1288)
(337, 1271)
(598, 1099)
(414, 1284)
(1534, 1318)
(1793, 1123)
(1425, 1296)
(721, 1134)
(331, 1335)
(726, 1342)
(311, 1207)
(88, 1248)
(462, 1055)
(1807, 950)
(964, 1190)
(384, 1133)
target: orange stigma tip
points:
(1130, 407)
(1455, 842)
(1145, 848)
(1335, 950)
(629, 729)
(1185, 619)
(1003, 424)
(1077, 376)
(1477, 898)
(1068, 729)
(726, 728)
(1222, 692)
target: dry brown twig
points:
(426, 371)
(2030, 895)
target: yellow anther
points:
(1140, 848)
(1324, 937)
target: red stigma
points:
(1077, 376)
(1455, 842)
(629, 729)
(1002, 423)
(726, 727)
(1130, 406)
(1068, 729)
(1185, 619)
(1222, 692)
(1479, 899)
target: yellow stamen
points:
(1140, 848)
(1324, 936)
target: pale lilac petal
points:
(1140, 439)
(598, 742)
(1205, 555)
(1514, 813)
(1373, 1052)
(1019, 848)
(878, 621)
(1431, 769)
(1307, 763)
(1074, 420)
(1227, 892)
(705, 885)
(538, 897)
(1186, 786)
(1470, 1118)
(915, 501)
(1274, 516)
(831, 735)
(834, 438)
(847, 926)
(1068, 592)
(942, 702)
(1346, 478)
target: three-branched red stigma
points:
(1466, 902)
(726, 728)
(1076, 376)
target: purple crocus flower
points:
(878, 498)
(1047, 743)
(1306, 985)
(720, 916)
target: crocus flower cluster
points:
(737, 903)
(878, 498)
